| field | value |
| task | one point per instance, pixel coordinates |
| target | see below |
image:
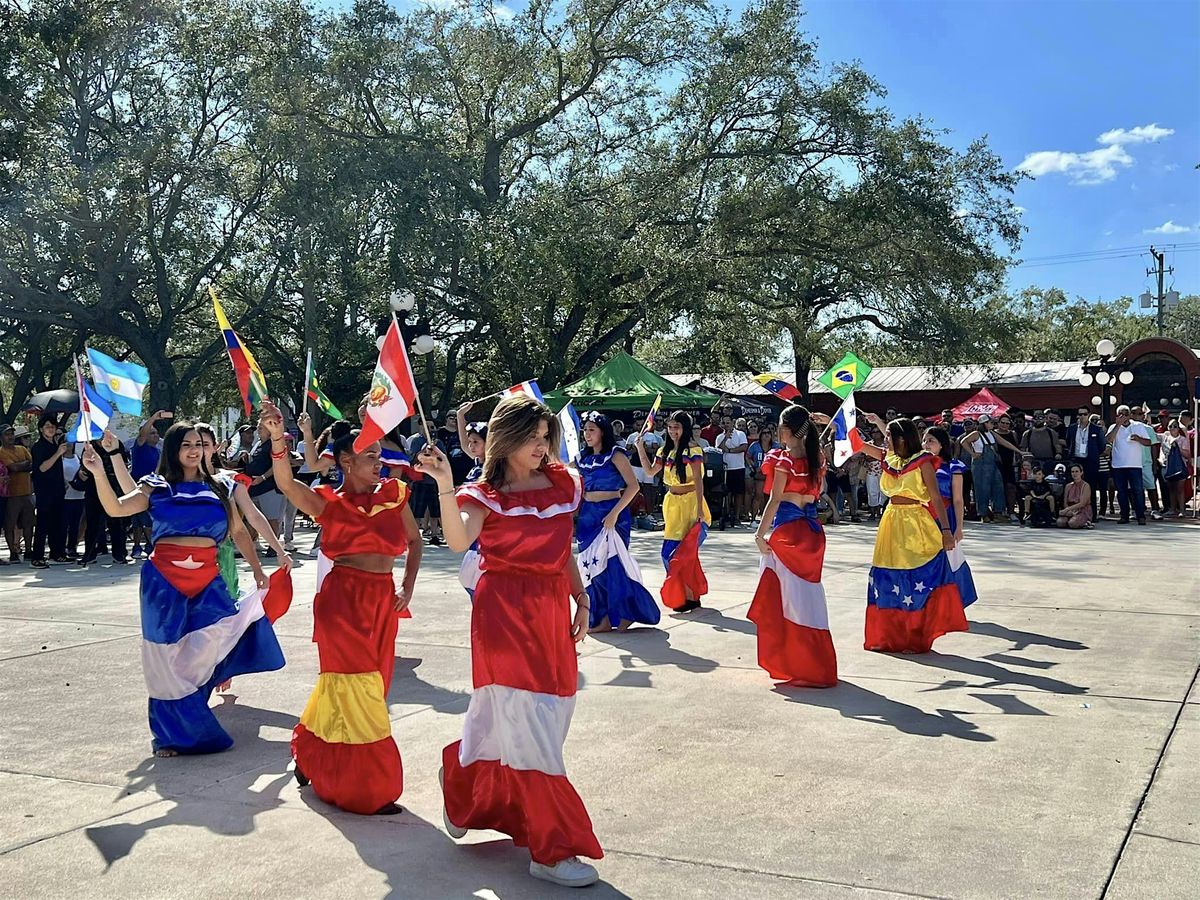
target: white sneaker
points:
(453, 830)
(568, 872)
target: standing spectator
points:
(648, 482)
(1041, 442)
(697, 438)
(963, 453)
(3, 502)
(873, 472)
(1127, 438)
(239, 450)
(1076, 511)
(1055, 423)
(18, 513)
(1150, 466)
(144, 455)
(758, 451)
(619, 432)
(49, 489)
(1108, 502)
(424, 502)
(733, 445)
(710, 431)
(1010, 465)
(112, 454)
(985, 469)
(947, 422)
(1176, 459)
(1085, 444)
(72, 501)
(263, 491)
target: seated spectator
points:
(1076, 511)
(1039, 502)
(1058, 483)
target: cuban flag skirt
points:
(194, 637)
(611, 575)
(794, 643)
(912, 598)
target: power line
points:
(1085, 254)
(1095, 259)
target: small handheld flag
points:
(651, 416)
(849, 374)
(846, 439)
(120, 383)
(94, 412)
(528, 388)
(780, 388)
(312, 391)
(250, 378)
(393, 394)
(568, 420)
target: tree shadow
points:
(405, 847)
(409, 689)
(165, 777)
(653, 646)
(997, 676)
(721, 622)
(861, 705)
(1024, 639)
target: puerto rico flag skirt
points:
(912, 598)
(343, 743)
(194, 637)
(794, 643)
(611, 575)
(507, 773)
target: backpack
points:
(1175, 469)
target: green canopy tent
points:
(623, 383)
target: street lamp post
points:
(1105, 373)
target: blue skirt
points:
(614, 593)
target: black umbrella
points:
(60, 401)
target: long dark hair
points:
(798, 421)
(904, 431)
(608, 437)
(942, 436)
(344, 443)
(205, 429)
(170, 469)
(681, 465)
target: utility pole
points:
(1160, 271)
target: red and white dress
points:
(794, 643)
(507, 773)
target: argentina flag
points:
(120, 383)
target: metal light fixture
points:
(379, 342)
(1096, 400)
(402, 301)
(1086, 379)
(1125, 377)
(1103, 378)
(423, 344)
(1105, 347)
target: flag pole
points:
(307, 381)
(417, 393)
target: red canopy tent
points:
(983, 403)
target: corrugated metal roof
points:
(907, 378)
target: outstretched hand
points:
(304, 422)
(271, 418)
(91, 460)
(432, 462)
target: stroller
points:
(715, 494)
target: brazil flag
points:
(847, 375)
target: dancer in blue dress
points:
(950, 486)
(612, 576)
(194, 634)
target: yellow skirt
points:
(679, 515)
(908, 538)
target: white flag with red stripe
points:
(393, 394)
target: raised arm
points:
(134, 502)
(461, 530)
(461, 416)
(143, 434)
(650, 467)
(302, 496)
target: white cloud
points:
(1019, 210)
(1168, 227)
(1140, 135)
(1093, 166)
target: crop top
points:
(187, 508)
(364, 523)
(600, 473)
(799, 481)
(903, 477)
(670, 476)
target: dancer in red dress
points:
(507, 772)
(343, 744)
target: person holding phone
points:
(50, 491)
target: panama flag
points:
(120, 383)
(393, 394)
(571, 426)
(94, 413)
(777, 386)
(528, 388)
(250, 378)
(846, 439)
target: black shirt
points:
(48, 485)
(260, 464)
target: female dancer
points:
(911, 596)
(343, 744)
(194, 636)
(473, 439)
(507, 772)
(794, 643)
(685, 514)
(614, 580)
(950, 485)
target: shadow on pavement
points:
(997, 676)
(1024, 639)
(861, 705)
(653, 647)
(412, 690)
(721, 622)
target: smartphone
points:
(168, 415)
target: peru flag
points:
(846, 439)
(393, 394)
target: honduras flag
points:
(846, 439)
(94, 415)
(120, 383)
(568, 420)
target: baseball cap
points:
(984, 419)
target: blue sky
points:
(1077, 82)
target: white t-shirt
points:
(735, 438)
(1126, 453)
(652, 442)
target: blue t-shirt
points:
(144, 460)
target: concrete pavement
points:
(1051, 752)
